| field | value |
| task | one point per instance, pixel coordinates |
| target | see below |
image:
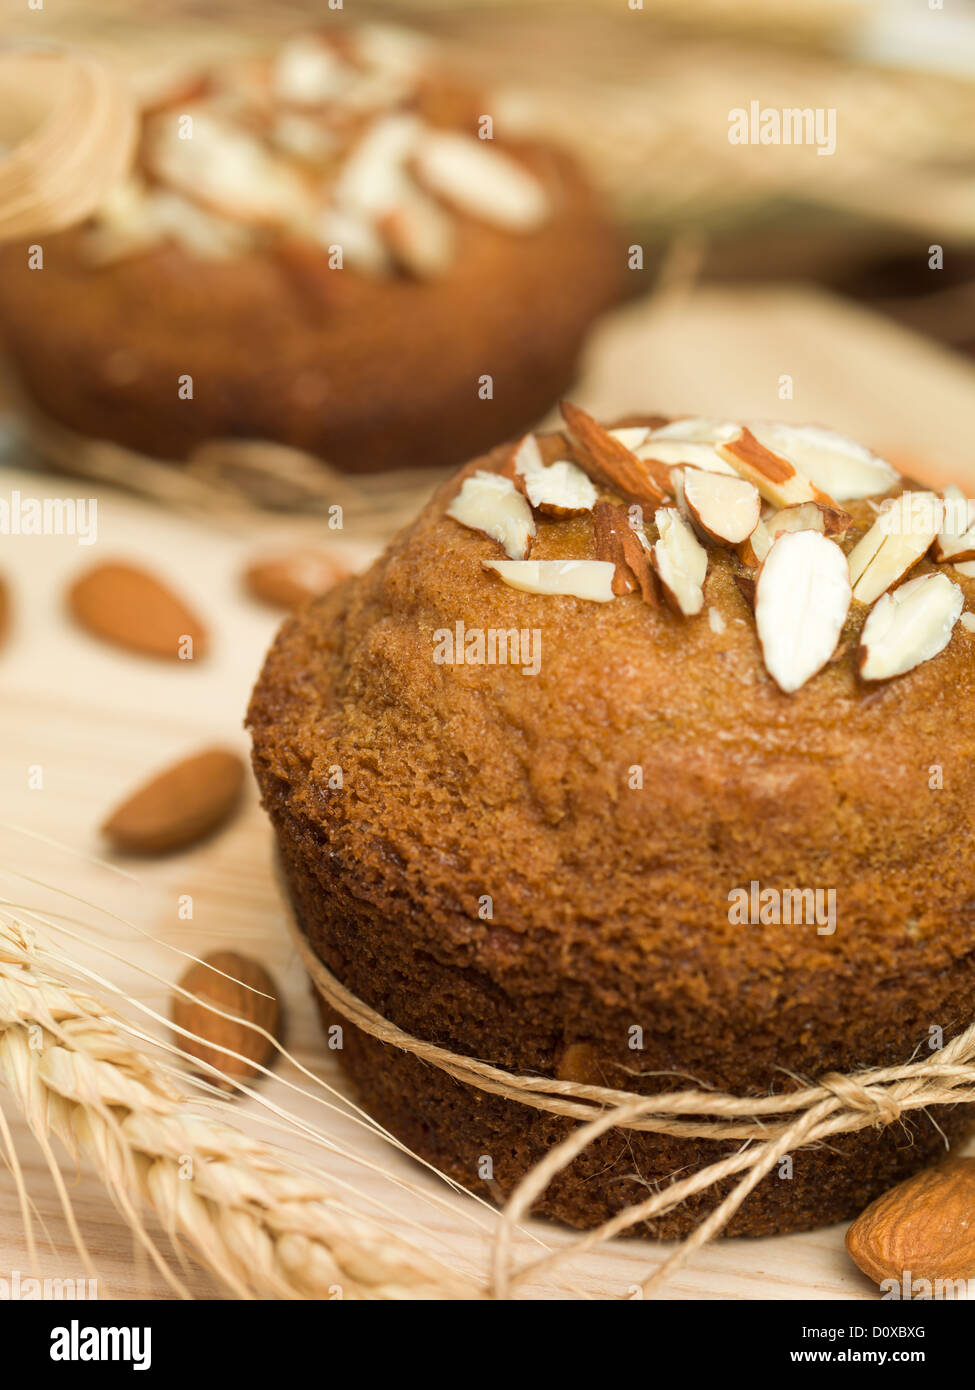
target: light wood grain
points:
(95, 720)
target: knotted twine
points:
(68, 130)
(770, 1126)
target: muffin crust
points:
(609, 902)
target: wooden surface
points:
(96, 720)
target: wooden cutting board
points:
(95, 721)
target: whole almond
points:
(178, 806)
(285, 581)
(133, 609)
(241, 989)
(924, 1226)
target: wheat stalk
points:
(243, 1207)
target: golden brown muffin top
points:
(355, 142)
(609, 803)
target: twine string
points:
(770, 1126)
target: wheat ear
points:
(246, 1209)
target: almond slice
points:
(839, 466)
(419, 234)
(630, 436)
(491, 503)
(226, 169)
(802, 598)
(908, 626)
(204, 233)
(965, 568)
(681, 562)
(612, 464)
(726, 509)
(560, 489)
(307, 71)
(895, 542)
(363, 247)
(587, 579)
(754, 550)
(480, 181)
(135, 218)
(179, 806)
(700, 429)
(775, 477)
(956, 539)
(304, 137)
(678, 452)
(809, 516)
(392, 51)
(526, 457)
(628, 550)
(373, 180)
(609, 521)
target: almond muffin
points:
(331, 247)
(642, 756)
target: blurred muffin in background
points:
(321, 248)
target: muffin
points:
(331, 247)
(655, 751)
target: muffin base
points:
(453, 1125)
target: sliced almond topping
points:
(305, 137)
(839, 466)
(527, 456)
(612, 464)
(391, 50)
(908, 626)
(374, 179)
(491, 503)
(588, 579)
(774, 476)
(802, 598)
(965, 568)
(894, 544)
(727, 510)
(363, 248)
(630, 436)
(226, 169)
(681, 562)
(956, 539)
(754, 550)
(716, 621)
(419, 234)
(627, 549)
(690, 441)
(700, 429)
(609, 522)
(809, 516)
(135, 218)
(967, 621)
(478, 180)
(308, 72)
(677, 452)
(560, 490)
